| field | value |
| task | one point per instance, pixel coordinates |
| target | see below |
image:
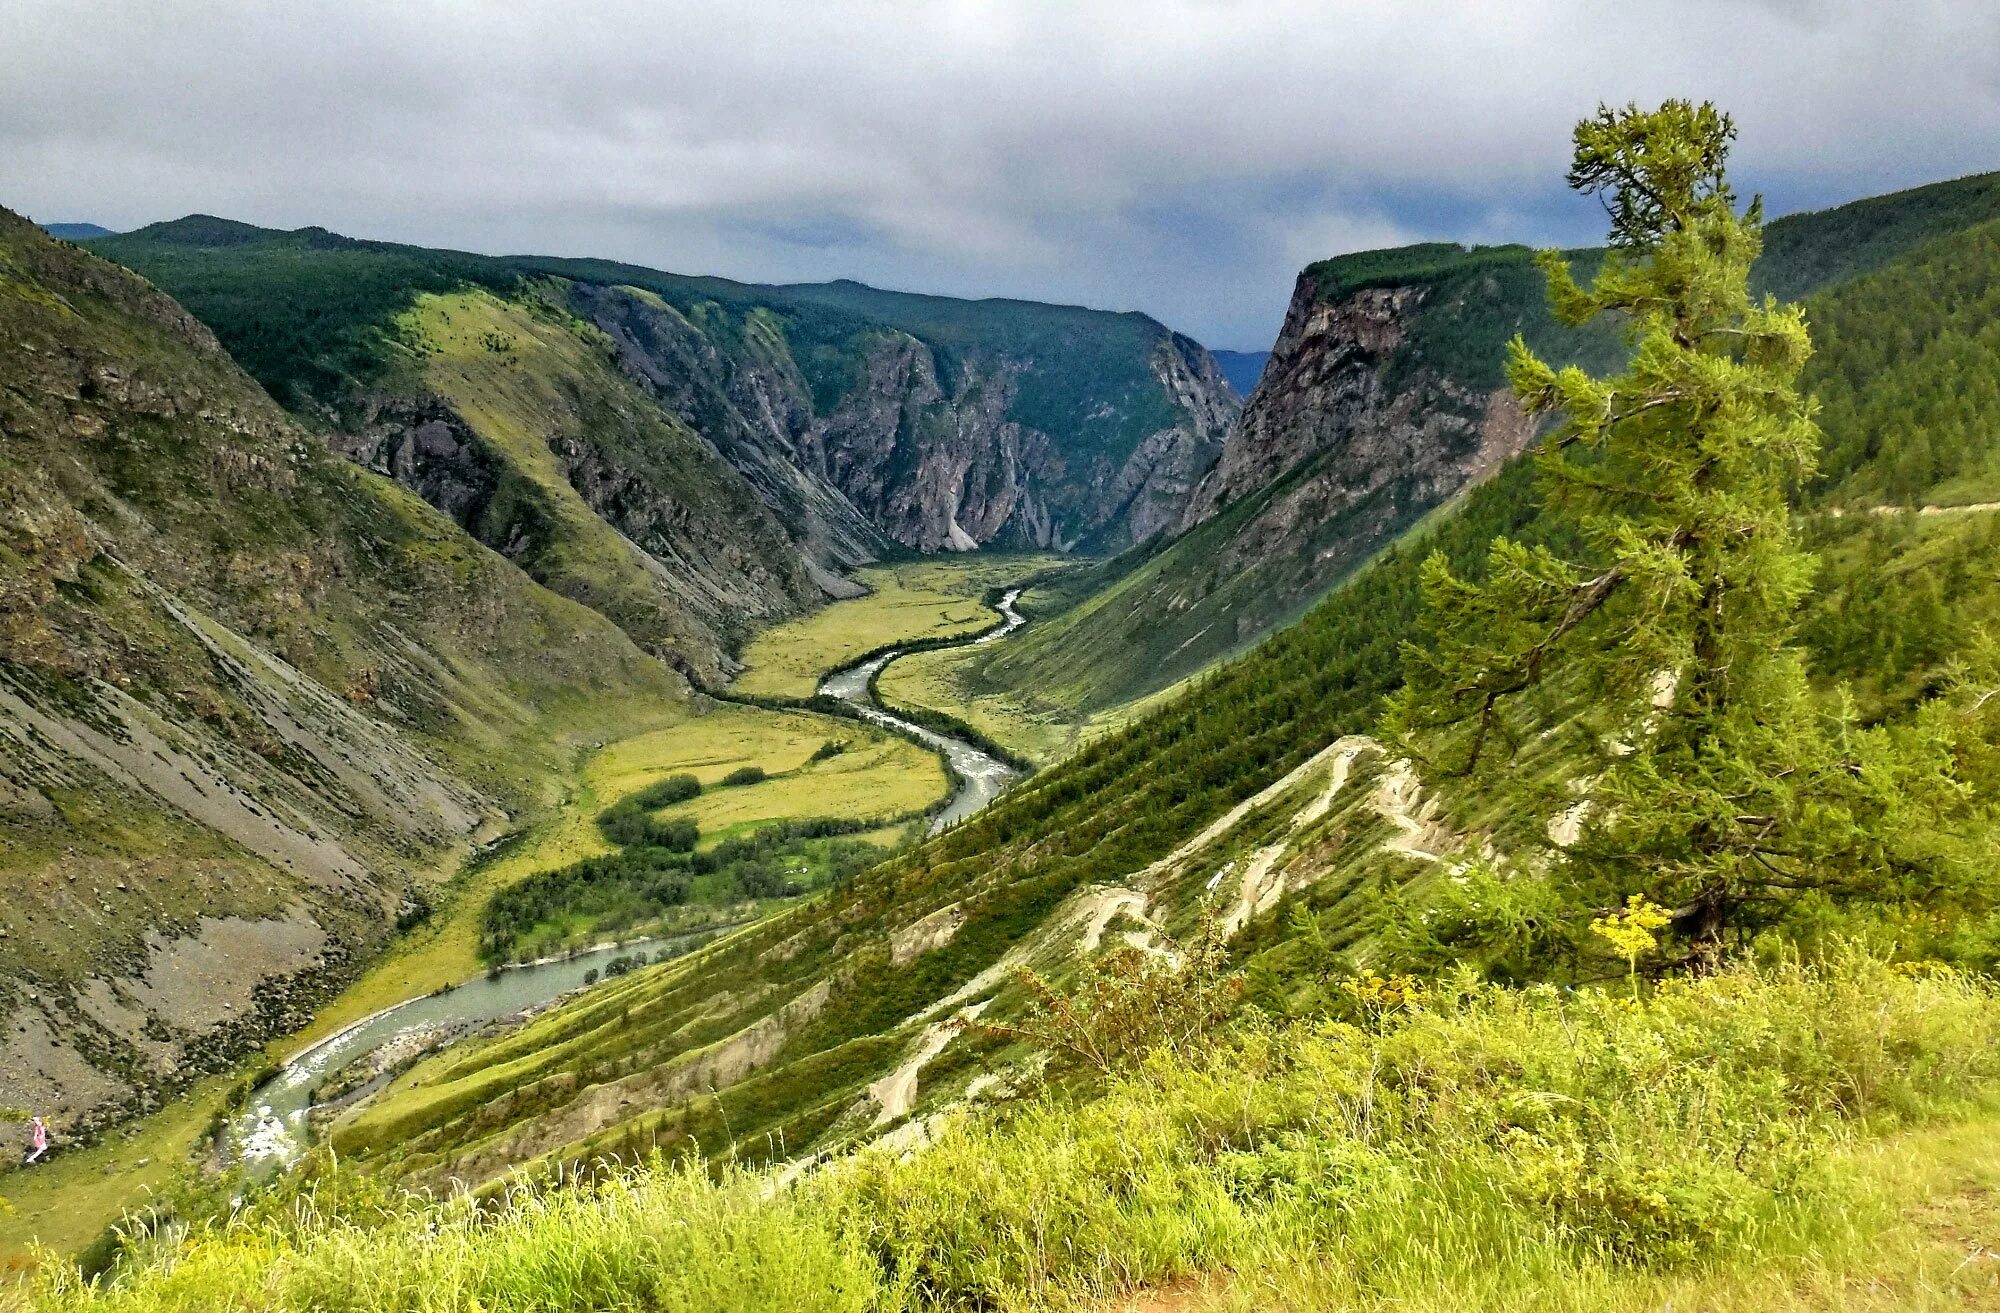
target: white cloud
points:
(1181, 156)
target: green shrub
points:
(667, 792)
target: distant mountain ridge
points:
(75, 232)
(1241, 368)
(861, 417)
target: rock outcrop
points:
(1326, 394)
(423, 444)
(1359, 426)
(1152, 490)
(751, 405)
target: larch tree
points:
(1718, 783)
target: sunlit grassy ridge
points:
(1489, 1146)
(534, 383)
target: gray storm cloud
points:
(1180, 158)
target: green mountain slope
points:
(1253, 792)
(855, 414)
(1805, 252)
(476, 385)
(1908, 377)
(1914, 412)
(249, 695)
(1383, 399)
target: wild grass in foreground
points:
(1503, 1144)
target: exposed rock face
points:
(944, 468)
(1152, 490)
(1347, 441)
(724, 579)
(912, 451)
(422, 444)
(1325, 393)
(751, 406)
(939, 470)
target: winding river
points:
(271, 1129)
(981, 776)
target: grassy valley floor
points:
(708, 745)
(1043, 732)
(68, 1201)
(930, 599)
(936, 598)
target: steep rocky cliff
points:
(1328, 389)
(248, 692)
(751, 405)
(941, 425)
(1153, 487)
(1381, 400)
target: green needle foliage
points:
(1718, 784)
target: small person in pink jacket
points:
(38, 1141)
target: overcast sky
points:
(1180, 157)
